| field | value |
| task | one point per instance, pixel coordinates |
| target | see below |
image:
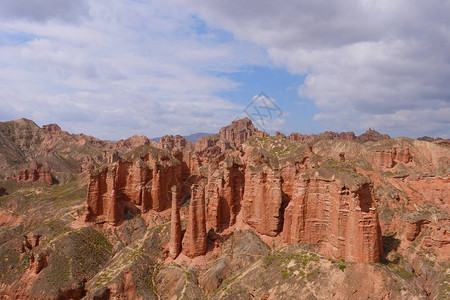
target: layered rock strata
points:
(389, 158)
(230, 136)
(224, 193)
(336, 211)
(35, 172)
(262, 200)
(140, 181)
(172, 143)
(195, 238)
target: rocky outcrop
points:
(173, 143)
(175, 226)
(224, 193)
(389, 158)
(372, 135)
(239, 131)
(52, 128)
(35, 172)
(133, 142)
(230, 136)
(369, 135)
(439, 141)
(38, 262)
(337, 211)
(141, 180)
(402, 155)
(412, 229)
(383, 158)
(206, 142)
(297, 137)
(261, 206)
(195, 238)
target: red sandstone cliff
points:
(224, 193)
(35, 172)
(195, 238)
(140, 180)
(272, 192)
(173, 143)
(337, 211)
(230, 136)
(388, 158)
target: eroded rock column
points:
(195, 238)
(175, 226)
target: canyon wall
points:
(336, 211)
(271, 185)
(142, 181)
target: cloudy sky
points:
(115, 68)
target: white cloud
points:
(44, 10)
(380, 63)
(125, 68)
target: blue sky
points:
(117, 68)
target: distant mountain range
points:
(192, 137)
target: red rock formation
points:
(195, 239)
(439, 141)
(412, 229)
(206, 142)
(402, 155)
(331, 135)
(224, 192)
(372, 135)
(384, 158)
(389, 158)
(442, 142)
(262, 200)
(38, 262)
(369, 135)
(35, 172)
(297, 137)
(175, 226)
(230, 136)
(142, 180)
(337, 212)
(239, 131)
(52, 128)
(171, 143)
(133, 142)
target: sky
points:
(116, 68)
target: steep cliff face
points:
(206, 142)
(261, 206)
(35, 172)
(239, 131)
(389, 158)
(224, 193)
(195, 238)
(142, 180)
(336, 211)
(230, 136)
(328, 192)
(171, 143)
(263, 184)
